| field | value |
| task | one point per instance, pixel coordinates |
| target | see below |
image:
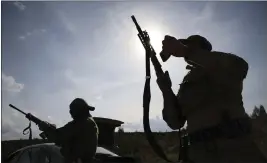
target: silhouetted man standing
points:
(210, 100)
(78, 139)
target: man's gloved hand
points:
(164, 82)
(42, 126)
(45, 125)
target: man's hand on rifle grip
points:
(164, 82)
(43, 126)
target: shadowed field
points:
(135, 143)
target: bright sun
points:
(156, 37)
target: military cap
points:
(200, 40)
(79, 103)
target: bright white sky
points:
(53, 52)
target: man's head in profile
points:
(79, 109)
(195, 42)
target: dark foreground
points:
(135, 144)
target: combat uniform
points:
(210, 100)
(78, 140)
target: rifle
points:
(151, 54)
(145, 40)
(43, 124)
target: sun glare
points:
(156, 37)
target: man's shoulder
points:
(81, 125)
(68, 125)
(85, 122)
(90, 119)
(91, 122)
(230, 56)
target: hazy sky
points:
(53, 52)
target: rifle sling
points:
(29, 128)
(146, 101)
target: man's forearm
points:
(169, 98)
(172, 113)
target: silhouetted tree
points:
(255, 112)
(258, 111)
(262, 110)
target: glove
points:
(41, 127)
(164, 82)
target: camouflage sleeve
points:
(220, 65)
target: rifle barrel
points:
(137, 25)
(14, 107)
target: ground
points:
(135, 144)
